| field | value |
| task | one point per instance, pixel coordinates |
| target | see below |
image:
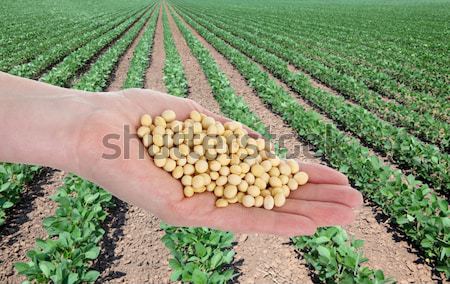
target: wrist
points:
(42, 129)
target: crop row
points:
(36, 46)
(425, 160)
(324, 64)
(422, 125)
(218, 82)
(99, 73)
(402, 63)
(174, 77)
(67, 69)
(67, 44)
(74, 232)
(419, 213)
(13, 178)
(141, 56)
(364, 43)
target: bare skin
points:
(64, 129)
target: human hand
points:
(326, 200)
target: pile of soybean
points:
(206, 155)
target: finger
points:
(239, 219)
(252, 133)
(341, 194)
(321, 174)
(322, 213)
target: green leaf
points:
(92, 253)
(73, 278)
(199, 277)
(323, 251)
(8, 204)
(21, 267)
(91, 276)
(46, 268)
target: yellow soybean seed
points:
(265, 192)
(159, 121)
(184, 149)
(250, 178)
(159, 162)
(257, 170)
(275, 190)
(259, 201)
(169, 115)
(248, 201)
(224, 171)
(293, 165)
(218, 191)
(245, 168)
(206, 179)
(188, 169)
(201, 166)
(240, 195)
(269, 202)
(301, 178)
(279, 200)
(177, 172)
(186, 180)
(260, 183)
(214, 166)
(170, 165)
(292, 184)
(234, 179)
(221, 203)
(235, 169)
(207, 122)
(214, 175)
(275, 182)
(284, 169)
(286, 190)
(222, 180)
(230, 191)
(182, 161)
(265, 177)
(274, 172)
(147, 140)
(211, 186)
(233, 200)
(212, 130)
(153, 150)
(158, 140)
(176, 126)
(223, 159)
(284, 179)
(195, 116)
(253, 190)
(197, 181)
(146, 120)
(275, 161)
(267, 165)
(200, 189)
(159, 130)
(142, 131)
(243, 186)
(188, 191)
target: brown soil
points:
(384, 248)
(132, 250)
(199, 89)
(120, 73)
(155, 74)
(24, 223)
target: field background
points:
(361, 86)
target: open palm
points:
(326, 200)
